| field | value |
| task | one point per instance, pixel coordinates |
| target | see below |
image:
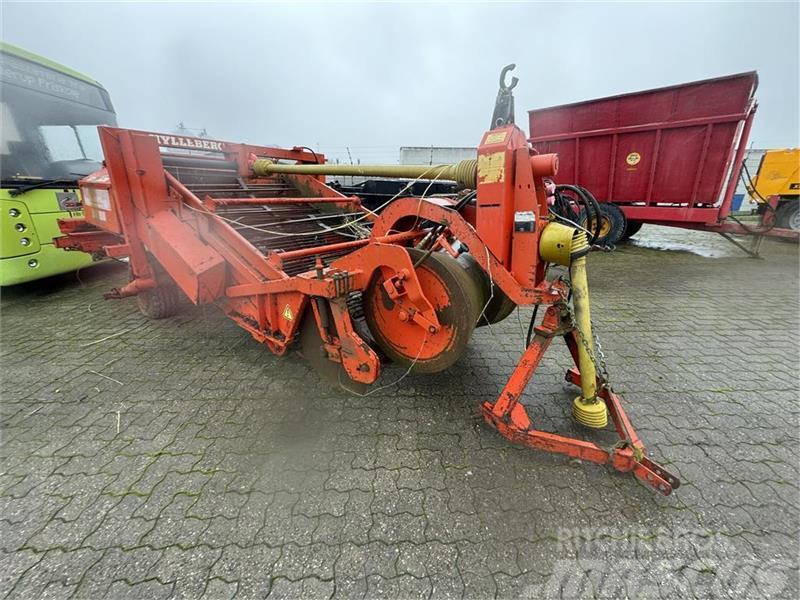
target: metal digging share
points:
(257, 231)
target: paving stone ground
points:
(178, 458)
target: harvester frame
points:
(154, 203)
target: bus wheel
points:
(788, 215)
(612, 225)
(159, 302)
(631, 229)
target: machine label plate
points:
(525, 220)
(97, 198)
(491, 167)
(496, 137)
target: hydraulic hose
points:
(590, 206)
(750, 186)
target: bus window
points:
(61, 142)
(9, 126)
(70, 142)
(90, 142)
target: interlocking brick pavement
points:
(178, 458)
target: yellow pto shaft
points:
(568, 246)
(587, 409)
(464, 173)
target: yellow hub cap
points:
(605, 226)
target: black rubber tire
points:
(312, 351)
(613, 227)
(787, 215)
(631, 229)
(499, 305)
(462, 319)
(472, 285)
(499, 308)
(476, 274)
(159, 302)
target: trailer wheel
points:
(631, 229)
(612, 224)
(788, 215)
(159, 302)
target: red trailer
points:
(669, 156)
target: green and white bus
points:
(48, 141)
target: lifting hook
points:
(514, 80)
(504, 105)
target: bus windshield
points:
(49, 123)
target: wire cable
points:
(313, 233)
(531, 325)
(316, 158)
(395, 382)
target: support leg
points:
(512, 421)
(750, 252)
(507, 405)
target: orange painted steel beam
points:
(321, 250)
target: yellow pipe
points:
(583, 319)
(464, 172)
(587, 409)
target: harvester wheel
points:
(631, 229)
(612, 224)
(159, 302)
(447, 287)
(474, 286)
(497, 305)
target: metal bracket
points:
(504, 105)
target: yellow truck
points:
(779, 175)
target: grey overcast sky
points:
(374, 76)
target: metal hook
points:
(503, 73)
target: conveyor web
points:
(265, 216)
